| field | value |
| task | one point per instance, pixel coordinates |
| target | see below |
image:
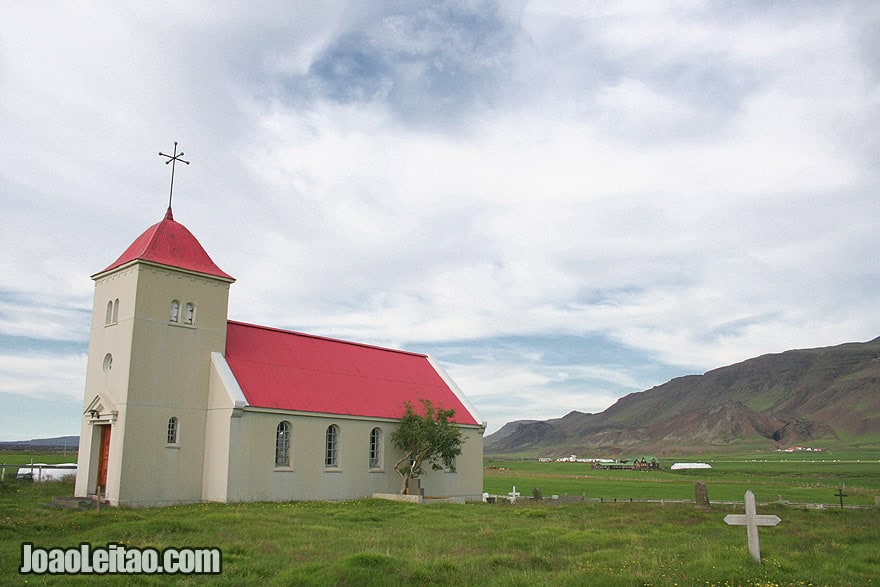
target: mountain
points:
(829, 394)
(60, 442)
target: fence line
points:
(72, 467)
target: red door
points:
(103, 458)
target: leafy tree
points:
(428, 439)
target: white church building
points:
(183, 405)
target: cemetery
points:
(777, 478)
(549, 525)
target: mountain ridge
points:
(60, 442)
(826, 393)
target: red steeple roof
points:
(169, 243)
(301, 372)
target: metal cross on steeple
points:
(173, 159)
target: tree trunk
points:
(404, 490)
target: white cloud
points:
(42, 375)
(505, 392)
(694, 184)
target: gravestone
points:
(751, 520)
(513, 495)
(536, 494)
(841, 495)
(701, 496)
(415, 487)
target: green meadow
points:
(805, 477)
(373, 542)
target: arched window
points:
(330, 454)
(116, 311)
(282, 445)
(172, 430)
(376, 448)
(175, 311)
(189, 313)
(109, 319)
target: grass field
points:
(372, 542)
(25, 457)
(791, 477)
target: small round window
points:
(108, 362)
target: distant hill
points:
(60, 442)
(818, 395)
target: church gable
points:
(300, 372)
(100, 407)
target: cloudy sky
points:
(564, 202)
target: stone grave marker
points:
(536, 494)
(751, 520)
(701, 496)
(415, 487)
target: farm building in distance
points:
(682, 466)
(638, 464)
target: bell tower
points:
(159, 312)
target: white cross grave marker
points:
(513, 495)
(751, 520)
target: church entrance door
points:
(103, 459)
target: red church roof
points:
(169, 243)
(301, 372)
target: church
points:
(183, 405)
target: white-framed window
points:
(331, 452)
(189, 313)
(282, 444)
(174, 315)
(173, 429)
(375, 461)
(112, 312)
